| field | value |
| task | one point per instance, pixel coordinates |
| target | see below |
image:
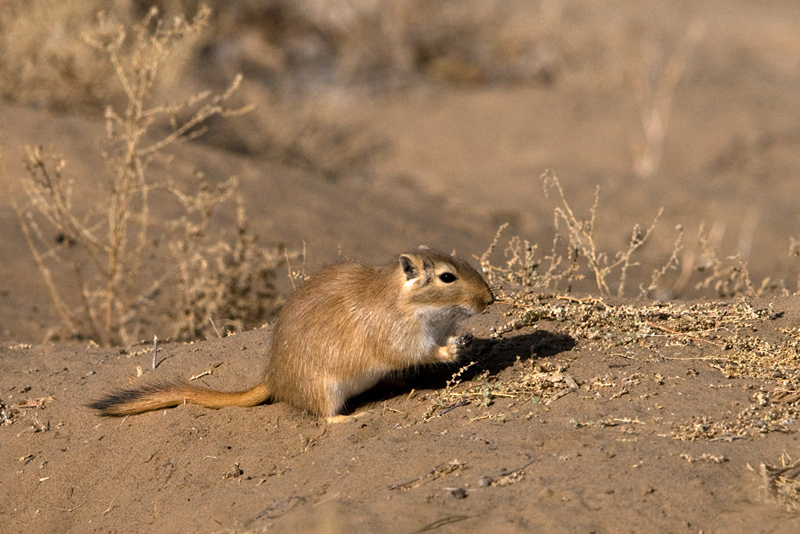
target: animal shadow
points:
(492, 355)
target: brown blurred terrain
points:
(378, 126)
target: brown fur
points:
(342, 331)
(168, 394)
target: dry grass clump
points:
(750, 422)
(533, 383)
(709, 272)
(727, 331)
(747, 356)
(753, 357)
(108, 256)
(782, 482)
(623, 324)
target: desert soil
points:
(546, 433)
(642, 428)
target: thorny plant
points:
(104, 249)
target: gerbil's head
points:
(436, 281)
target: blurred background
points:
(379, 125)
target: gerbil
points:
(342, 331)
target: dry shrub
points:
(110, 253)
(728, 277)
(292, 52)
(43, 60)
(289, 45)
(581, 239)
(306, 45)
(523, 266)
(307, 135)
(701, 268)
(654, 86)
(574, 253)
(727, 331)
(232, 282)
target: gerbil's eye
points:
(447, 277)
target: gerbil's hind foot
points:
(456, 347)
(352, 418)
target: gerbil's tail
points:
(169, 394)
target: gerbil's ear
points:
(415, 268)
(407, 264)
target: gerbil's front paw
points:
(464, 341)
(456, 347)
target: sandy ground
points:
(606, 456)
(611, 456)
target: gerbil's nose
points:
(490, 301)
